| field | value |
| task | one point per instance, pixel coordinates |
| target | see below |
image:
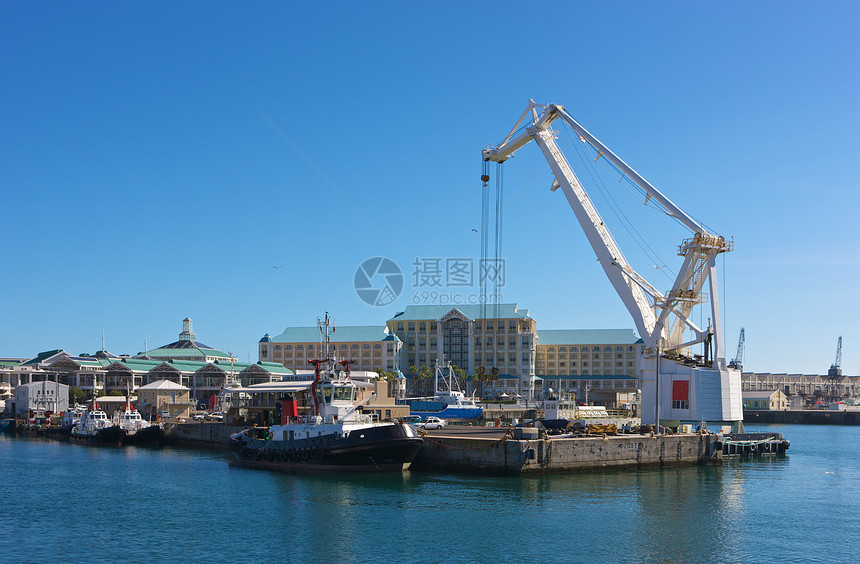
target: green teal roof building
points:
(186, 348)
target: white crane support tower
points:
(710, 388)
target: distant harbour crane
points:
(836, 368)
(834, 375)
(738, 362)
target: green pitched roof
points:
(271, 367)
(185, 353)
(39, 358)
(488, 311)
(136, 364)
(587, 337)
(341, 334)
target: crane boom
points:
(836, 368)
(661, 318)
(738, 361)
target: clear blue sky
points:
(158, 159)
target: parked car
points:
(199, 417)
(412, 420)
(434, 423)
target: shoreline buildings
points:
(499, 340)
(502, 343)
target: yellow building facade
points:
(369, 347)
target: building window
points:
(277, 347)
(680, 404)
(584, 349)
(411, 326)
(432, 326)
(400, 326)
(422, 325)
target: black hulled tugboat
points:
(94, 427)
(334, 437)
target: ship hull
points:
(387, 448)
(152, 435)
(108, 436)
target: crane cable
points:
(485, 212)
(622, 217)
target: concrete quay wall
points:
(803, 416)
(543, 456)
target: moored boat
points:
(137, 430)
(94, 427)
(334, 437)
(449, 402)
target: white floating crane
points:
(675, 386)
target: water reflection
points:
(192, 505)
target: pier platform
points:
(496, 451)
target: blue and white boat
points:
(449, 402)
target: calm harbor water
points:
(80, 503)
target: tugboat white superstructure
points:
(137, 430)
(335, 436)
(94, 427)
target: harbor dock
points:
(501, 451)
(518, 450)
